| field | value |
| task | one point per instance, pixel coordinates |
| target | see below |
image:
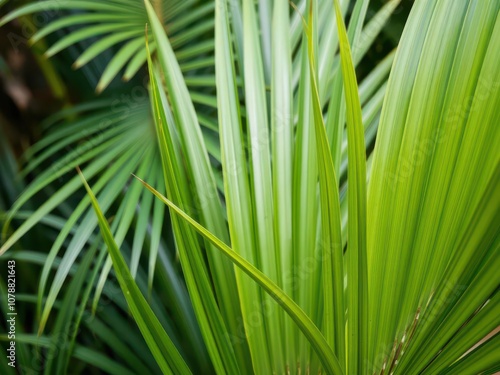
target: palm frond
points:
(120, 25)
(366, 210)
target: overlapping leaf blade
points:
(163, 349)
(428, 179)
(328, 358)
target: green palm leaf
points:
(163, 349)
(119, 24)
(420, 181)
(368, 211)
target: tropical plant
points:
(320, 227)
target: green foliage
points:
(314, 225)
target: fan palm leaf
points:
(382, 262)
